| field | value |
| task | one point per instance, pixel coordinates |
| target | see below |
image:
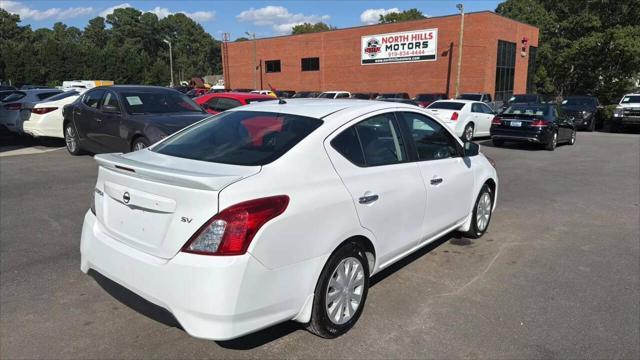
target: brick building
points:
(417, 56)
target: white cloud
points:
(108, 11)
(278, 17)
(162, 12)
(371, 16)
(27, 13)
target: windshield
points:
(446, 105)
(523, 99)
(580, 101)
(539, 110)
(161, 102)
(63, 95)
(428, 97)
(474, 97)
(629, 99)
(240, 137)
(327, 95)
(15, 96)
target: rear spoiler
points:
(190, 179)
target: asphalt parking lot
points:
(556, 276)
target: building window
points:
(505, 70)
(272, 66)
(531, 70)
(311, 64)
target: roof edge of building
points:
(408, 21)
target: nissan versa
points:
(281, 211)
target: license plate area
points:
(516, 124)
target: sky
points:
(264, 18)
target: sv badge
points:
(186, 220)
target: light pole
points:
(170, 60)
(461, 8)
(255, 59)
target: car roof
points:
(240, 95)
(319, 108)
(118, 88)
(38, 91)
(458, 101)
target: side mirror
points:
(471, 149)
(110, 109)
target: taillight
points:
(540, 123)
(13, 106)
(43, 110)
(454, 116)
(496, 120)
(230, 232)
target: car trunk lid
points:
(155, 202)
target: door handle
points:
(436, 181)
(368, 199)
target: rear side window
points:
(92, 98)
(378, 140)
(446, 105)
(240, 137)
(223, 104)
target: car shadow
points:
(10, 141)
(522, 146)
(265, 336)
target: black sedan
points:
(544, 124)
(126, 118)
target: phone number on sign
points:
(406, 53)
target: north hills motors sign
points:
(409, 46)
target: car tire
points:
(572, 140)
(329, 318)
(71, 139)
(482, 211)
(139, 144)
(497, 142)
(467, 134)
(553, 141)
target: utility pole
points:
(170, 60)
(255, 59)
(461, 8)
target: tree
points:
(242, 38)
(584, 46)
(394, 17)
(311, 28)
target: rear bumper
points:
(36, 128)
(538, 137)
(212, 297)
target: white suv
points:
(281, 211)
(627, 112)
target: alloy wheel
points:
(483, 211)
(344, 292)
(468, 133)
(70, 139)
(139, 146)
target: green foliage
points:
(126, 47)
(311, 28)
(585, 46)
(241, 39)
(394, 17)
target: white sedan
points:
(467, 118)
(281, 211)
(46, 117)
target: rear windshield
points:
(63, 95)
(15, 96)
(161, 102)
(527, 110)
(446, 105)
(474, 97)
(631, 99)
(240, 137)
(523, 99)
(428, 97)
(328, 95)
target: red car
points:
(215, 103)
